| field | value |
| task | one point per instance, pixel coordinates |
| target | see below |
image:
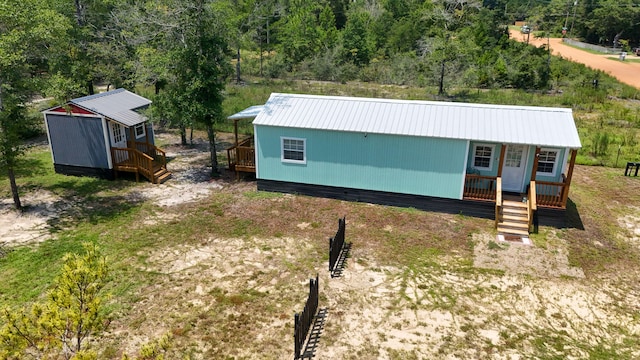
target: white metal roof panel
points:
(530, 125)
(118, 105)
(248, 113)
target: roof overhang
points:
(248, 113)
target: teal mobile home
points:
(416, 153)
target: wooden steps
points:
(161, 175)
(153, 168)
(513, 218)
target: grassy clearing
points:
(236, 265)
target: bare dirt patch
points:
(191, 181)
(443, 310)
(30, 226)
(522, 259)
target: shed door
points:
(514, 167)
(118, 138)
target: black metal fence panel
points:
(336, 244)
(304, 320)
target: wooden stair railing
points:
(498, 199)
(532, 202)
(139, 162)
(514, 217)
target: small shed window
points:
(140, 131)
(547, 160)
(293, 150)
(483, 157)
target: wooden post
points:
(235, 130)
(534, 169)
(500, 164)
(565, 193)
(132, 137)
(146, 134)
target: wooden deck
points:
(548, 194)
(242, 157)
(141, 159)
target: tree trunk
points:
(441, 82)
(183, 135)
(14, 189)
(211, 134)
(238, 79)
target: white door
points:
(513, 169)
(118, 138)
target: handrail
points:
(129, 157)
(153, 151)
(531, 203)
(498, 199)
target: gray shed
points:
(104, 134)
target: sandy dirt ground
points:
(626, 71)
(511, 302)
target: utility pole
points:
(575, 5)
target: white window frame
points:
(493, 151)
(555, 162)
(144, 130)
(294, 161)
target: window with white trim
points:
(293, 150)
(139, 130)
(547, 160)
(483, 157)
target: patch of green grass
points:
(28, 272)
(629, 60)
(256, 195)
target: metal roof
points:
(248, 113)
(530, 125)
(118, 105)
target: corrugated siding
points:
(391, 163)
(77, 141)
(527, 125)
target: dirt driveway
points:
(626, 71)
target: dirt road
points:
(626, 71)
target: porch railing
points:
(243, 156)
(480, 187)
(155, 152)
(132, 160)
(551, 194)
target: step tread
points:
(513, 217)
(164, 177)
(515, 211)
(516, 204)
(514, 225)
(512, 231)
